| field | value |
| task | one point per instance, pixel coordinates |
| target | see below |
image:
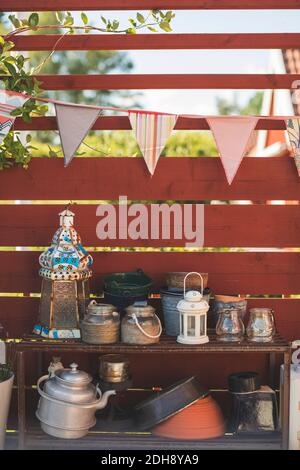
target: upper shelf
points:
(167, 345)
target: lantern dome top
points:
(66, 258)
(66, 212)
(193, 302)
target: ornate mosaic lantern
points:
(65, 271)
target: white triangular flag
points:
(152, 131)
(232, 135)
(74, 122)
(9, 101)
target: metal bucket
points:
(5, 394)
(170, 299)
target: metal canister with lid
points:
(114, 368)
(101, 324)
(140, 325)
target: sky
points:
(204, 61)
(213, 61)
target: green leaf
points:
(59, 16)
(15, 21)
(169, 15)
(28, 138)
(42, 109)
(33, 19)
(16, 112)
(104, 20)
(153, 30)
(131, 21)
(84, 18)
(8, 45)
(140, 18)
(165, 26)
(11, 68)
(2, 41)
(130, 31)
(51, 152)
(20, 61)
(115, 25)
(10, 59)
(69, 20)
(26, 117)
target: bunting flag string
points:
(232, 137)
(152, 130)
(8, 102)
(293, 131)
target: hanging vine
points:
(16, 75)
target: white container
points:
(294, 418)
(5, 394)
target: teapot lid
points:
(73, 375)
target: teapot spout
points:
(103, 402)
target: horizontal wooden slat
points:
(84, 42)
(243, 273)
(167, 81)
(122, 123)
(18, 314)
(47, 5)
(224, 226)
(186, 178)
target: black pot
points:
(170, 401)
(130, 284)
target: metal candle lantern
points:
(193, 316)
(65, 270)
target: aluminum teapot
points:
(68, 403)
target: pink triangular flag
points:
(232, 135)
(152, 131)
(74, 122)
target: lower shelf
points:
(37, 440)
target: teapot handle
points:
(185, 278)
(145, 332)
(40, 380)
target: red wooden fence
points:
(184, 179)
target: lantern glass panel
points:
(191, 327)
(181, 324)
(202, 325)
